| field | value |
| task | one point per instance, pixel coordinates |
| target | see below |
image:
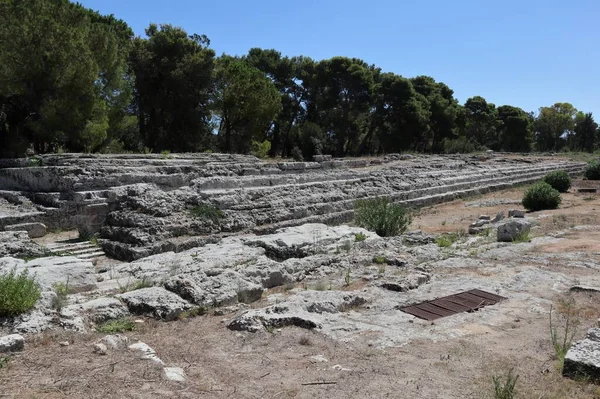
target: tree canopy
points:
(72, 79)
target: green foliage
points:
(194, 312)
(34, 162)
(381, 216)
(62, 291)
(541, 196)
(297, 154)
(18, 292)
(261, 150)
(207, 212)
(559, 180)
(563, 339)
(522, 237)
(143, 283)
(165, 154)
(504, 386)
(592, 171)
(446, 240)
(244, 102)
(460, 145)
(116, 326)
(379, 259)
(173, 81)
(4, 361)
(515, 129)
(551, 124)
(359, 237)
(347, 278)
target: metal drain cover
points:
(468, 301)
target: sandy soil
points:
(220, 363)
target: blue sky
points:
(527, 53)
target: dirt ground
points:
(280, 364)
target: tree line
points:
(72, 79)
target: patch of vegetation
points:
(34, 162)
(347, 278)
(541, 196)
(504, 386)
(359, 237)
(85, 235)
(260, 150)
(4, 361)
(143, 283)
(521, 238)
(116, 326)
(592, 171)
(381, 269)
(382, 216)
(320, 286)
(166, 154)
(563, 339)
(379, 259)
(194, 312)
(446, 240)
(305, 341)
(559, 180)
(591, 198)
(62, 291)
(18, 292)
(207, 212)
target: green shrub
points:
(381, 216)
(296, 153)
(460, 145)
(358, 237)
(379, 259)
(116, 326)
(261, 150)
(18, 293)
(207, 211)
(541, 196)
(592, 172)
(559, 180)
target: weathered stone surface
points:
(516, 213)
(407, 283)
(101, 309)
(12, 343)
(18, 244)
(306, 310)
(155, 301)
(146, 352)
(34, 229)
(511, 229)
(583, 358)
(174, 374)
(78, 274)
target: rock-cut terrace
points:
(142, 204)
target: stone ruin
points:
(265, 225)
(140, 204)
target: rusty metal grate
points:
(468, 301)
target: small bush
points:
(166, 154)
(381, 216)
(447, 240)
(559, 180)
(18, 293)
(379, 260)
(62, 292)
(116, 326)
(504, 386)
(208, 212)
(260, 150)
(563, 339)
(541, 196)
(592, 172)
(359, 237)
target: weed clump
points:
(207, 212)
(359, 237)
(116, 326)
(559, 180)
(504, 386)
(541, 196)
(18, 293)
(381, 216)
